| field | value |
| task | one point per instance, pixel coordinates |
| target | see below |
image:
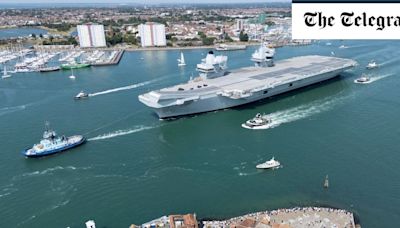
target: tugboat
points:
(269, 164)
(372, 65)
(81, 95)
(364, 79)
(258, 122)
(52, 144)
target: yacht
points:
(258, 122)
(269, 164)
(181, 61)
(81, 95)
(5, 74)
(372, 65)
(52, 144)
(364, 79)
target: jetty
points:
(114, 60)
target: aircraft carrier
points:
(216, 88)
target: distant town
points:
(157, 26)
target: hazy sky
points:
(140, 1)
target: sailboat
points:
(181, 61)
(5, 74)
(72, 76)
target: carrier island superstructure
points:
(216, 88)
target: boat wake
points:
(304, 111)
(123, 88)
(122, 132)
(7, 110)
(52, 170)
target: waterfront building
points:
(240, 24)
(91, 35)
(152, 35)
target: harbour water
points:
(135, 167)
(20, 32)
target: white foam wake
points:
(304, 111)
(374, 79)
(124, 88)
(121, 132)
(7, 110)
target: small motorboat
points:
(258, 122)
(269, 164)
(363, 80)
(372, 65)
(342, 47)
(81, 95)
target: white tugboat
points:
(271, 164)
(372, 65)
(364, 79)
(258, 122)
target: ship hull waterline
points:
(220, 102)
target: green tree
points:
(243, 36)
(208, 40)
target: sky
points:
(140, 1)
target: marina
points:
(132, 157)
(45, 59)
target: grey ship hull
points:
(216, 99)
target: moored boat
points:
(69, 66)
(52, 144)
(49, 69)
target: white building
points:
(240, 24)
(152, 34)
(91, 35)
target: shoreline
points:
(313, 217)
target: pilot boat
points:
(81, 95)
(269, 164)
(258, 122)
(52, 144)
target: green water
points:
(135, 167)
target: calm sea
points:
(135, 167)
